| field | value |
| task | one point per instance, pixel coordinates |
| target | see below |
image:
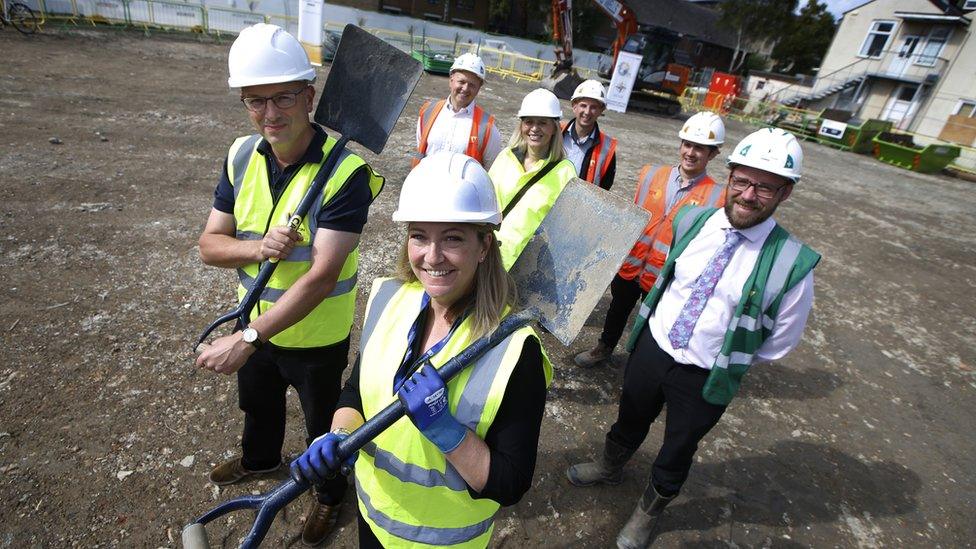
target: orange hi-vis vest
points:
(481, 127)
(603, 152)
(647, 256)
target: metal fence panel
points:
(230, 20)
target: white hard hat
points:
(772, 150)
(471, 63)
(267, 54)
(542, 103)
(448, 187)
(704, 128)
(591, 89)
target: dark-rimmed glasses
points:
(283, 100)
(763, 191)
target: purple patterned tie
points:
(680, 333)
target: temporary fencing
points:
(219, 21)
(908, 150)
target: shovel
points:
(561, 275)
(367, 88)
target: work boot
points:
(232, 471)
(595, 356)
(641, 528)
(608, 469)
(319, 522)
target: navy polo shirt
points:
(346, 211)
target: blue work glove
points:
(321, 460)
(425, 397)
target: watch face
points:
(250, 335)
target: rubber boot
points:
(608, 469)
(595, 356)
(641, 528)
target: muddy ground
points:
(861, 437)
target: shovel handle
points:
(395, 410)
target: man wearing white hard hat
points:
(592, 152)
(736, 290)
(531, 173)
(661, 190)
(299, 330)
(457, 124)
(469, 446)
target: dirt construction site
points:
(112, 143)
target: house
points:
(912, 62)
(691, 31)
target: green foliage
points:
(808, 36)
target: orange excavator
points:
(664, 79)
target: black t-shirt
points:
(512, 438)
(346, 211)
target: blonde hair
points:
(494, 288)
(520, 147)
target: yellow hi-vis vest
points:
(255, 211)
(509, 176)
(408, 492)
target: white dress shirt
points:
(575, 148)
(452, 130)
(706, 340)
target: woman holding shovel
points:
(529, 174)
(468, 447)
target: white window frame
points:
(872, 32)
(931, 60)
(969, 5)
(961, 103)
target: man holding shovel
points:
(299, 330)
(736, 289)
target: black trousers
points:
(653, 379)
(316, 375)
(624, 294)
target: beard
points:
(756, 215)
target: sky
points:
(838, 7)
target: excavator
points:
(660, 80)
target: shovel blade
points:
(368, 86)
(564, 270)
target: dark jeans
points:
(316, 375)
(367, 539)
(624, 294)
(653, 379)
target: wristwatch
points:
(250, 335)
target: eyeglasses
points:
(283, 100)
(763, 191)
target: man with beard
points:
(736, 289)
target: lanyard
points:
(408, 366)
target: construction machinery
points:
(662, 77)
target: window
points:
(761, 84)
(464, 4)
(938, 36)
(877, 38)
(966, 108)
(969, 5)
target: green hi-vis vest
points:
(408, 492)
(782, 264)
(508, 176)
(255, 211)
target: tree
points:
(804, 44)
(755, 22)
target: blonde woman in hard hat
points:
(736, 290)
(457, 124)
(530, 173)
(299, 331)
(437, 477)
(662, 191)
(592, 152)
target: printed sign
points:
(310, 29)
(832, 129)
(622, 82)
